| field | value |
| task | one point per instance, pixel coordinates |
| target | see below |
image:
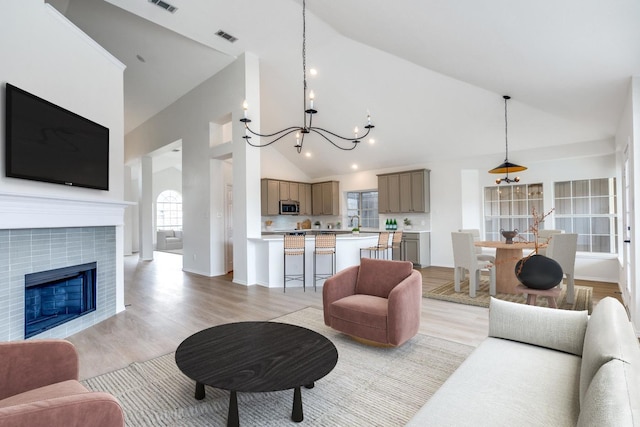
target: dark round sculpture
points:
(539, 272)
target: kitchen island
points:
(270, 256)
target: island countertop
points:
(270, 257)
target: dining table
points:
(507, 256)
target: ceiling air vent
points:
(228, 37)
(166, 6)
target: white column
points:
(145, 208)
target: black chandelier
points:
(309, 111)
(507, 166)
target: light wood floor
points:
(164, 305)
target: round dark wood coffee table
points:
(256, 357)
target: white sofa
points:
(168, 239)
(545, 367)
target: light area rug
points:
(447, 292)
(370, 386)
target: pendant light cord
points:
(506, 138)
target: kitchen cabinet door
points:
(270, 197)
(394, 193)
(405, 194)
(305, 198)
(383, 193)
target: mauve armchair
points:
(378, 300)
(39, 387)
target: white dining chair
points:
(479, 253)
(465, 259)
(544, 237)
(562, 248)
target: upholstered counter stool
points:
(325, 245)
(551, 294)
(294, 246)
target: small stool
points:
(325, 245)
(294, 246)
(532, 294)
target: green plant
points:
(407, 221)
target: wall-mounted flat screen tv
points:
(45, 142)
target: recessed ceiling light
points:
(372, 141)
(313, 71)
(354, 166)
(308, 154)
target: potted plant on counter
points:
(316, 224)
(268, 223)
(356, 230)
(407, 224)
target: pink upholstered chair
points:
(39, 387)
(379, 300)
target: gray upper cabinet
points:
(289, 191)
(383, 193)
(270, 197)
(305, 198)
(326, 198)
(404, 192)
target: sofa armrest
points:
(95, 409)
(561, 330)
(338, 286)
(404, 309)
(26, 365)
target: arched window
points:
(169, 211)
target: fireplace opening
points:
(54, 297)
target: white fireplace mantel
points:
(19, 211)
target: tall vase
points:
(538, 272)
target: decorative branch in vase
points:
(534, 270)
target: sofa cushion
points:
(507, 383)
(547, 327)
(378, 277)
(609, 336)
(64, 388)
(613, 397)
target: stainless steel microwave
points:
(289, 207)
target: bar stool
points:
(396, 243)
(381, 247)
(325, 245)
(294, 246)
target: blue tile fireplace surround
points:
(24, 253)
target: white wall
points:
(189, 119)
(46, 55)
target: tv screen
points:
(45, 142)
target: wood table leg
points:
(506, 260)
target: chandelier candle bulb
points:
(355, 131)
(312, 96)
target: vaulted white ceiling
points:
(431, 72)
